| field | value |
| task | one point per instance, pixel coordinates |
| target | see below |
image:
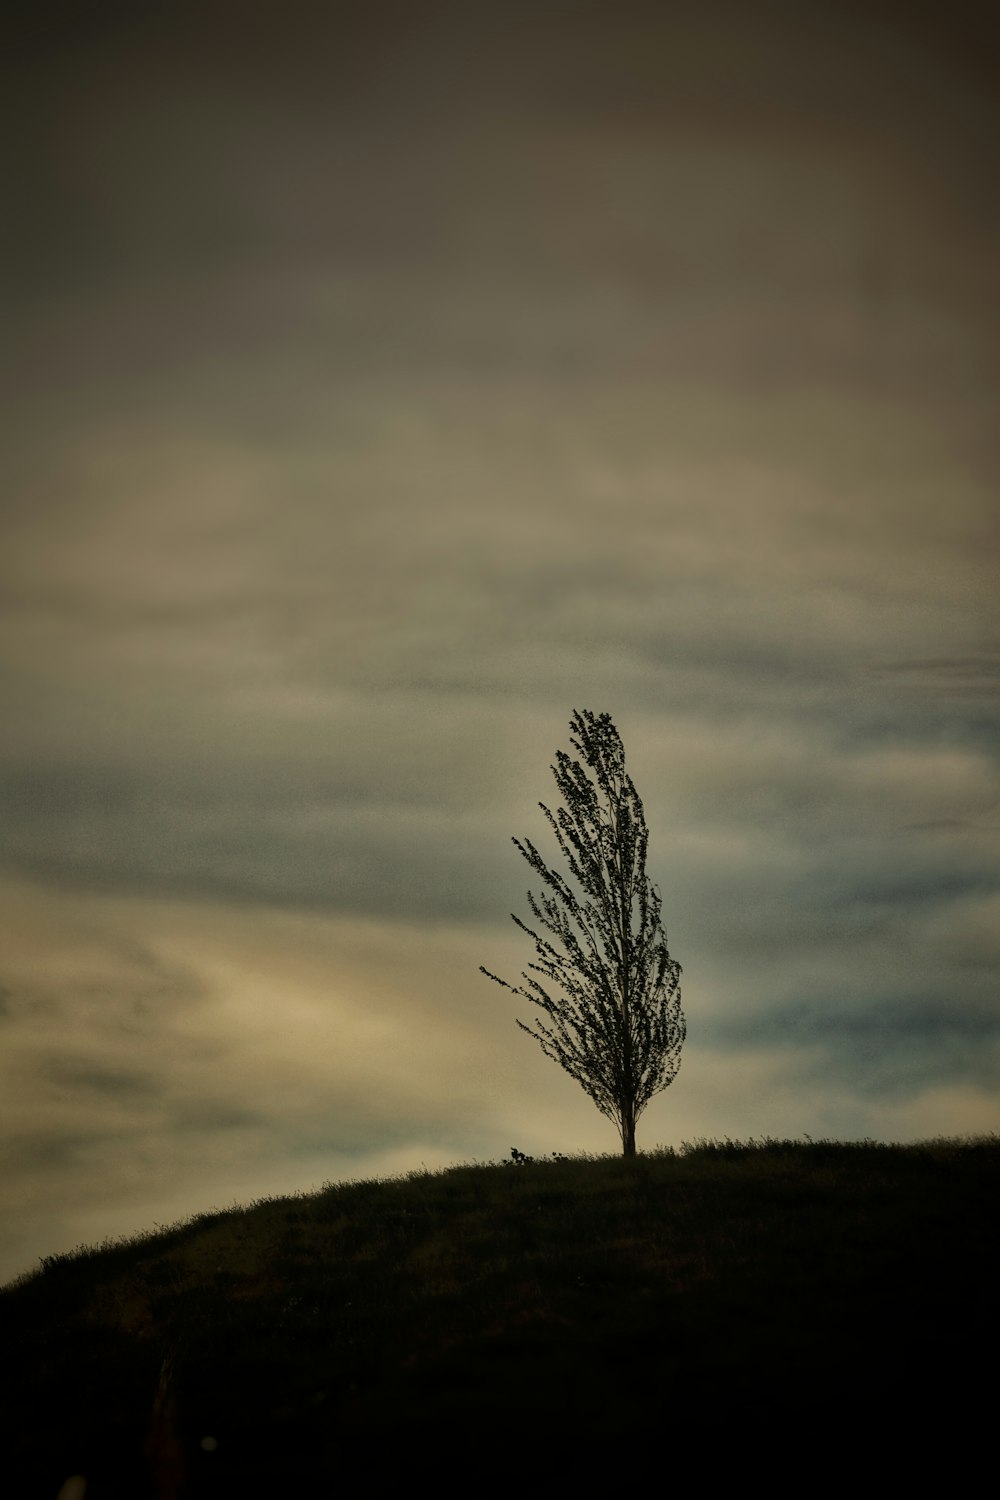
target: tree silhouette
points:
(611, 1002)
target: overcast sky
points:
(389, 381)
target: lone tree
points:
(611, 993)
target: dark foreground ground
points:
(777, 1315)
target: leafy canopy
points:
(608, 990)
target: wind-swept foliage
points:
(609, 990)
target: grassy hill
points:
(729, 1312)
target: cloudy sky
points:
(390, 380)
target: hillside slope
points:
(723, 1307)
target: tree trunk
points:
(628, 1137)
